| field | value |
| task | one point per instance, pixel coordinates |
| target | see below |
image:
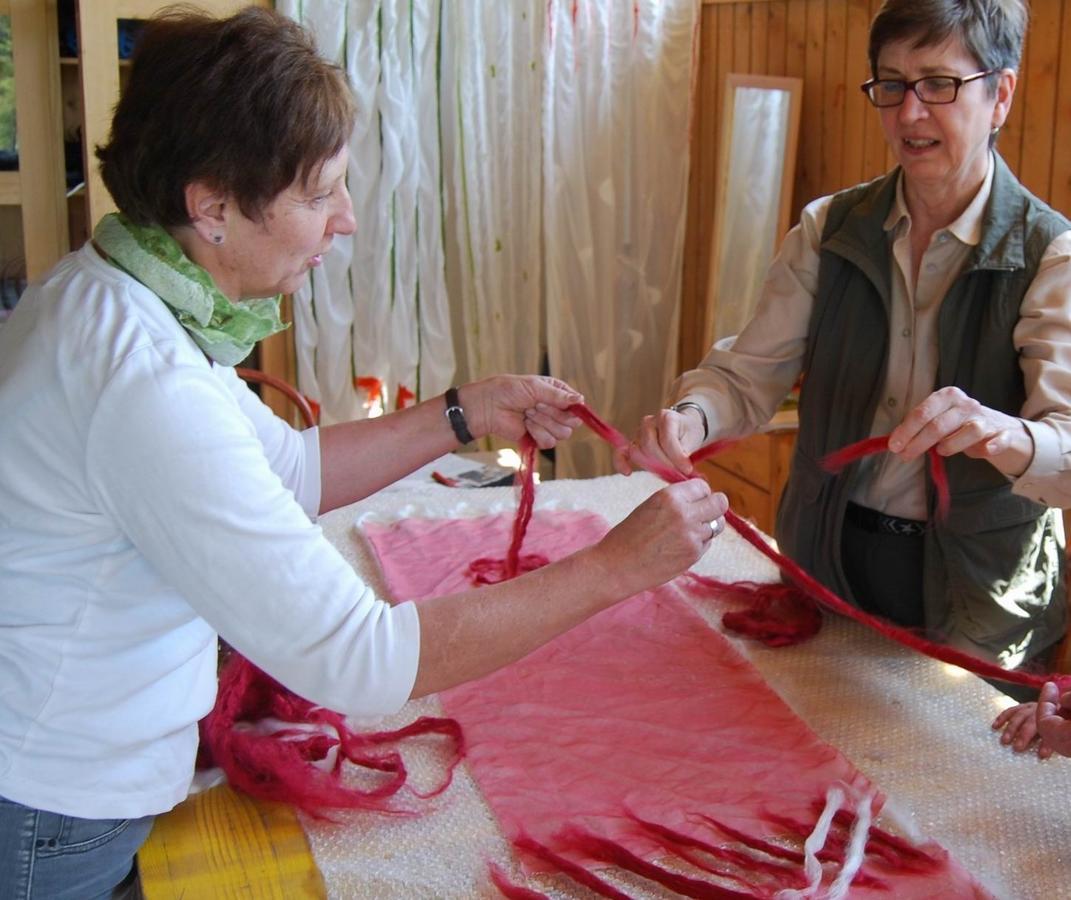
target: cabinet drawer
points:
(749, 459)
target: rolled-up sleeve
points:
(1043, 339)
(740, 390)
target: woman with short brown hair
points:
(149, 501)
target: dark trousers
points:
(884, 570)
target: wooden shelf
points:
(10, 189)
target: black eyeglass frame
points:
(957, 83)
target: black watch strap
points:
(456, 415)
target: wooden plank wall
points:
(824, 42)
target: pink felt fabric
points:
(643, 708)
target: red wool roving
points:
(286, 763)
(781, 617)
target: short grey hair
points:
(992, 31)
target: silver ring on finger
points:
(716, 528)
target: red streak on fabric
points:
(508, 889)
(567, 867)
(404, 397)
(612, 852)
(373, 387)
(445, 480)
(280, 766)
(785, 874)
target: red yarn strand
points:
(682, 844)
(835, 462)
(817, 591)
(489, 570)
(281, 766)
(612, 852)
(567, 867)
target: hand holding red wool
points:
(953, 422)
(668, 437)
(663, 536)
(511, 406)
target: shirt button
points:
(942, 237)
(891, 401)
(906, 332)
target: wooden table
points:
(916, 727)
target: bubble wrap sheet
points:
(918, 728)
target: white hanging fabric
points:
(492, 89)
(373, 323)
(541, 148)
(616, 112)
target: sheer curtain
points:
(492, 88)
(548, 143)
(616, 109)
(372, 326)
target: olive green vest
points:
(993, 579)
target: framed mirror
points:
(755, 173)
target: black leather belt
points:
(878, 523)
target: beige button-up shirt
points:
(740, 388)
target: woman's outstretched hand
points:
(663, 536)
(953, 422)
(667, 437)
(509, 406)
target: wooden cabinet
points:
(752, 473)
(39, 187)
(83, 91)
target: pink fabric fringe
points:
(761, 869)
(682, 844)
(882, 846)
(567, 867)
(613, 853)
(281, 766)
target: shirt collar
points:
(967, 229)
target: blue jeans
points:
(46, 856)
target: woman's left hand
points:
(511, 405)
(954, 423)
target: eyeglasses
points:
(934, 89)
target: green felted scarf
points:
(225, 330)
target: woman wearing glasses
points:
(933, 305)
